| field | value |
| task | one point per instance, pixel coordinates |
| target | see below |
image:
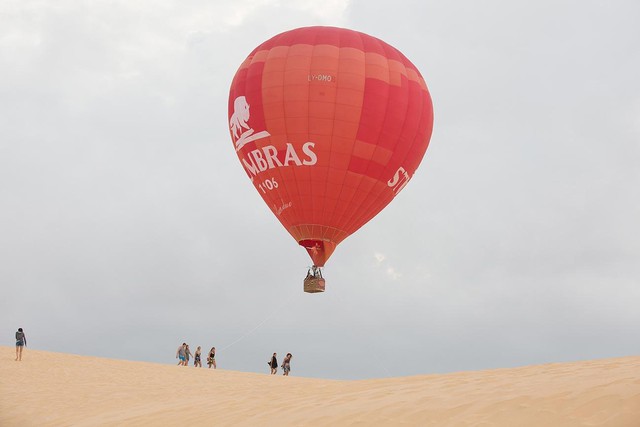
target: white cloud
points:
(390, 271)
(330, 9)
(226, 15)
(393, 274)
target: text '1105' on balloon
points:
(330, 125)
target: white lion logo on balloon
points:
(239, 121)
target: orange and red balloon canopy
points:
(329, 124)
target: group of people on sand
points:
(286, 364)
(184, 353)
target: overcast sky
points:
(128, 226)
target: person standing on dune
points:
(196, 359)
(21, 342)
(286, 364)
(180, 354)
(273, 363)
(187, 353)
(211, 359)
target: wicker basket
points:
(313, 285)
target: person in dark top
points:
(211, 359)
(273, 363)
(21, 342)
(286, 364)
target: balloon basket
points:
(314, 282)
(313, 285)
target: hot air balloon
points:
(329, 124)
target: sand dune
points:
(54, 389)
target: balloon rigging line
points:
(260, 324)
(384, 367)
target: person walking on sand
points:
(286, 364)
(21, 342)
(196, 359)
(273, 363)
(187, 353)
(211, 359)
(180, 354)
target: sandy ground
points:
(54, 389)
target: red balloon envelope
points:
(330, 124)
